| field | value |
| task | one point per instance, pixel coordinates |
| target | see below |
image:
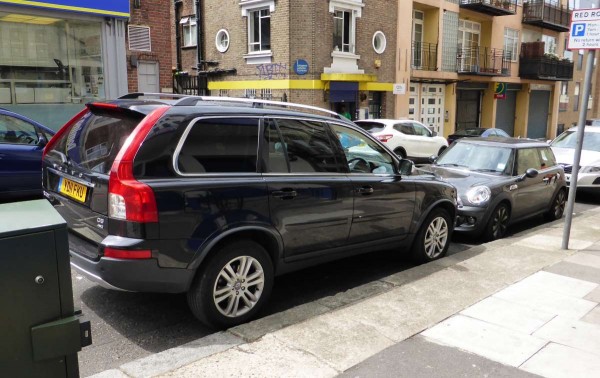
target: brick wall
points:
(158, 16)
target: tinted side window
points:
(16, 131)
(275, 150)
(307, 146)
(405, 129)
(220, 145)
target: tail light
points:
(50, 145)
(129, 199)
(127, 253)
(384, 138)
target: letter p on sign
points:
(578, 30)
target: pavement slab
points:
(509, 315)
(485, 339)
(594, 295)
(574, 333)
(593, 316)
(580, 271)
(556, 283)
(561, 361)
(419, 358)
(549, 242)
(587, 259)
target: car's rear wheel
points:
(557, 208)
(400, 152)
(433, 238)
(498, 223)
(233, 285)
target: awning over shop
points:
(343, 91)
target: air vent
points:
(139, 38)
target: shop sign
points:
(500, 91)
(111, 8)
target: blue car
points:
(22, 141)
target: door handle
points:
(284, 193)
(365, 190)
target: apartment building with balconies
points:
(485, 63)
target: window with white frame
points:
(511, 44)
(190, 34)
(549, 44)
(343, 31)
(259, 30)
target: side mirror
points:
(405, 167)
(432, 159)
(42, 141)
(530, 173)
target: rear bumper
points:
(133, 275)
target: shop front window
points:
(46, 60)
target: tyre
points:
(557, 207)
(433, 238)
(400, 152)
(233, 285)
(498, 223)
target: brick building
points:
(321, 53)
(149, 45)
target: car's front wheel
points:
(233, 285)
(433, 238)
(498, 223)
(557, 208)
(400, 152)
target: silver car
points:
(589, 166)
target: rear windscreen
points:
(94, 141)
(372, 127)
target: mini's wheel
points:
(433, 238)
(498, 223)
(400, 152)
(233, 285)
(557, 208)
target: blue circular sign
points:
(301, 67)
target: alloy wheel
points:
(500, 222)
(239, 286)
(436, 237)
(559, 205)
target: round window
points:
(222, 40)
(379, 42)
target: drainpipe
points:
(177, 5)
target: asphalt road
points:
(128, 326)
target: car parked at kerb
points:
(501, 181)
(215, 196)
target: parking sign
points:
(585, 29)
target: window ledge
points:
(347, 55)
(261, 57)
(189, 47)
(249, 5)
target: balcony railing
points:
(549, 15)
(492, 7)
(545, 68)
(424, 56)
(483, 61)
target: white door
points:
(432, 107)
(148, 77)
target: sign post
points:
(584, 34)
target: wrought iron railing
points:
(424, 56)
(549, 13)
(505, 5)
(189, 85)
(483, 61)
(545, 68)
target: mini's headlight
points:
(479, 195)
(590, 169)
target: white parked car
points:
(564, 150)
(407, 138)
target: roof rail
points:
(135, 95)
(190, 100)
(193, 100)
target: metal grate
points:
(139, 38)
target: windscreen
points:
(475, 157)
(568, 139)
(94, 141)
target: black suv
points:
(215, 196)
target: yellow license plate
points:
(72, 189)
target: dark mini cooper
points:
(501, 181)
(216, 196)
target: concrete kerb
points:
(379, 313)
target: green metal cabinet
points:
(40, 331)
